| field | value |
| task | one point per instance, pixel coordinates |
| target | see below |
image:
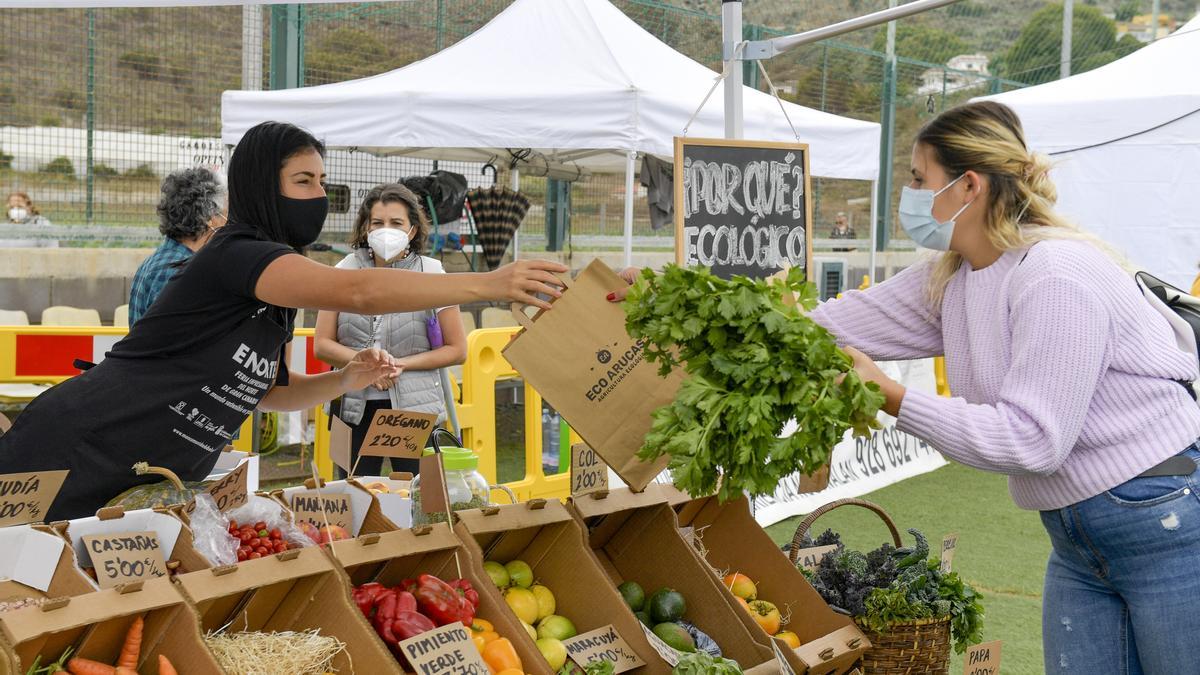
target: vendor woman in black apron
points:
(211, 349)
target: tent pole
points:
(731, 35)
(874, 230)
(516, 187)
(630, 158)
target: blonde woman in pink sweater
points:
(1063, 377)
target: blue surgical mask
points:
(916, 217)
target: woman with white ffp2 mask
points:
(20, 212)
(390, 230)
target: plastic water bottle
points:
(550, 433)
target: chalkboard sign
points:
(742, 207)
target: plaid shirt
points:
(153, 274)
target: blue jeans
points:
(1123, 582)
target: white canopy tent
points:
(576, 81)
(1126, 140)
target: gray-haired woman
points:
(192, 208)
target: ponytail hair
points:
(986, 137)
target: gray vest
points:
(401, 334)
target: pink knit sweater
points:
(1062, 374)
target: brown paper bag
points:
(580, 359)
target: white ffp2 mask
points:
(388, 243)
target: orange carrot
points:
(165, 667)
(133, 645)
(78, 666)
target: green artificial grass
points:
(1002, 550)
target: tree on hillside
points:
(1127, 10)
(923, 43)
(1035, 56)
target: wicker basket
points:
(919, 647)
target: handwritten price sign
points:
(444, 651)
(809, 558)
(229, 492)
(983, 659)
(25, 497)
(603, 644)
(125, 556)
(318, 508)
(949, 546)
(589, 473)
(397, 433)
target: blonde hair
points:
(986, 137)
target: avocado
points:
(666, 605)
(675, 636)
(633, 595)
(644, 617)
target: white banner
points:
(862, 465)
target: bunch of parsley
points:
(753, 361)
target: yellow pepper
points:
(482, 626)
(501, 655)
(480, 643)
(489, 636)
(511, 671)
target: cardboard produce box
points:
(635, 538)
(548, 537)
(396, 503)
(390, 557)
(365, 516)
(94, 626)
(295, 590)
(112, 520)
(734, 542)
(185, 552)
(38, 564)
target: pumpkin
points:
(163, 493)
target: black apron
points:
(177, 412)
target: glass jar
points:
(467, 488)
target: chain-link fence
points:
(96, 105)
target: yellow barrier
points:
(485, 366)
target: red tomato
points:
(276, 534)
(260, 525)
(255, 556)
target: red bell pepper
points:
(441, 602)
(366, 596)
(385, 617)
(467, 590)
(410, 624)
(405, 602)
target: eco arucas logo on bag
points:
(617, 367)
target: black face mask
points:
(302, 219)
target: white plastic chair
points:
(61, 315)
(494, 317)
(13, 317)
